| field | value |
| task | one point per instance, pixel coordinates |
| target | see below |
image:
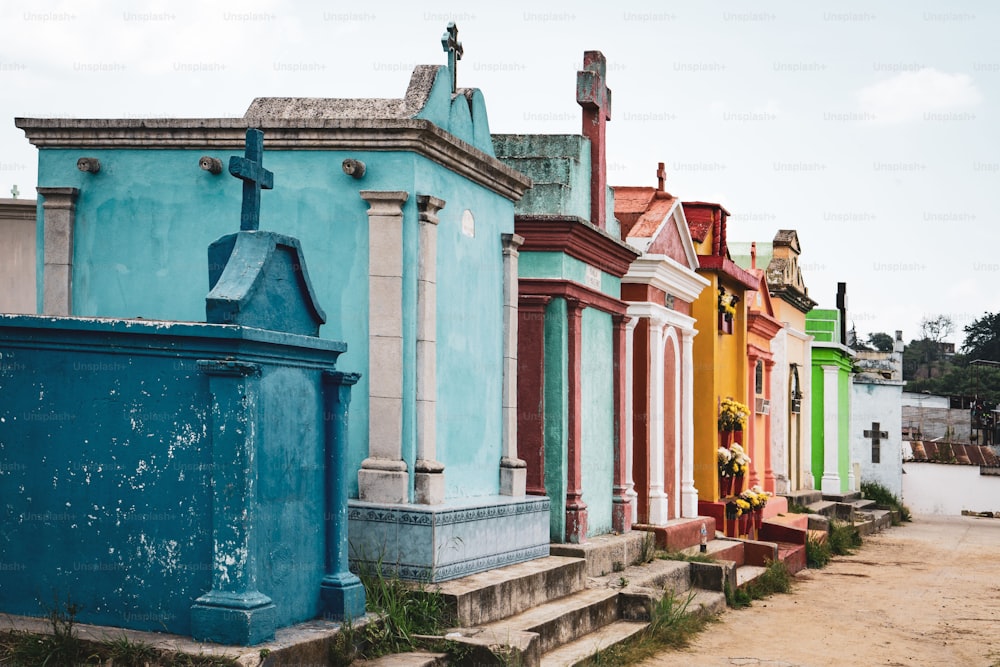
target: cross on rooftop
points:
(593, 94)
(250, 170)
(876, 437)
(14, 192)
(453, 47)
(661, 177)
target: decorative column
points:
(629, 409)
(768, 470)
(341, 593)
(531, 389)
(59, 219)
(751, 441)
(621, 511)
(383, 477)
(830, 484)
(576, 509)
(805, 418)
(234, 611)
(513, 470)
(689, 494)
(428, 474)
(658, 502)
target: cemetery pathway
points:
(924, 593)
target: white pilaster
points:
(658, 508)
(428, 473)
(629, 407)
(383, 476)
(689, 494)
(831, 431)
(513, 471)
(805, 448)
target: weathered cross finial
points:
(661, 177)
(250, 169)
(14, 192)
(593, 94)
(453, 47)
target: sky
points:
(871, 128)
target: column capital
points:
(428, 207)
(511, 243)
(385, 202)
(59, 197)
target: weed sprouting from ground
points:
(817, 552)
(885, 498)
(406, 610)
(844, 538)
(671, 626)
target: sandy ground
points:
(924, 593)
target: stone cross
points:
(14, 192)
(661, 177)
(250, 169)
(876, 437)
(453, 47)
(593, 94)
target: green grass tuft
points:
(886, 499)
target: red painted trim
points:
(530, 389)
(576, 238)
(727, 267)
(762, 324)
(567, 289)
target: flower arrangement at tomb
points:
(733, 464)
(727, 309)
(756, 498)
(732, 415)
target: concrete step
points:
(606, 553)
(580, 650)
(804, 497)
(660, 574)
(414, 659)
(864, 503)
(793, 555)
(680, 534)
(872, 521)
(728, 549)
(560, 621)
(824, 507)
(848, 497)
(747, 573)
(490, 596)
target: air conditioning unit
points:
(762, 406)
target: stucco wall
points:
(17, 256)
(938, 488)
(877, 403)
(112, 503)
(162, 210)
(598, 418)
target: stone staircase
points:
(560, 610)
(848, 507)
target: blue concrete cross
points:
(453, 47)
(250, 169)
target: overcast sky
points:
(869, 127)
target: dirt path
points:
(925, 593)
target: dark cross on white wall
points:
(876, 437)
(453, 47)
(250, 170)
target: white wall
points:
(878, 403)
(947, 489)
